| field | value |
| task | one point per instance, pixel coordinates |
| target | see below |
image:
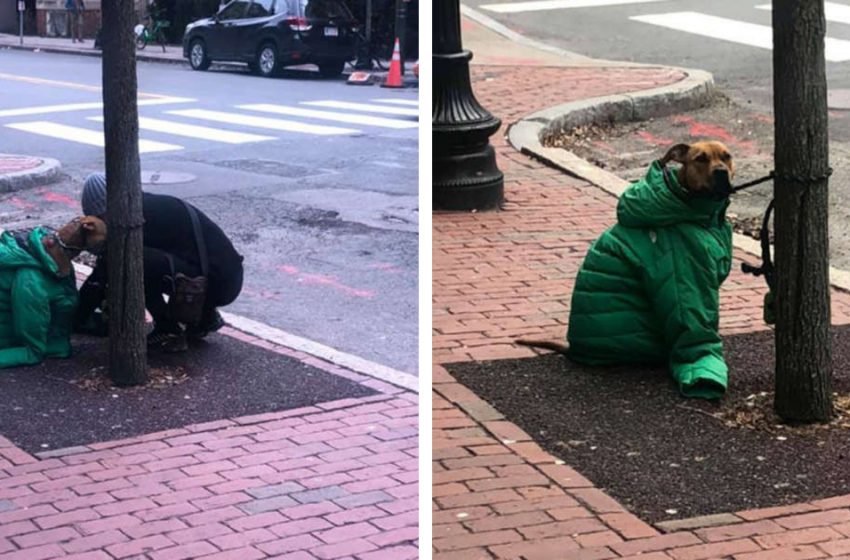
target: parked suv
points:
(271, 34)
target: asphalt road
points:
(721, 37)
(320, 196)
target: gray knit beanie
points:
(94, 195)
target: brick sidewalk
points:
(498, 276)
(337, 480)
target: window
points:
(261, 8)
(324, 9)
(234, 10)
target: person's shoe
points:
(168, 342)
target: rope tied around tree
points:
(766, 269)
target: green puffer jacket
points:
(647, 291)
(36, 305)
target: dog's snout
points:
(720, 173)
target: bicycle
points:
(372, 52)
(145, 35)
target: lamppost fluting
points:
(465, 175)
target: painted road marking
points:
(85, 136)
(365, 107)
(262, 122)
(69, 85)
(538, 5)
(837, 50)
(195, 131)
(85, 106)
(331, 116)
(411, 102)
(838, 13)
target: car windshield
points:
(324, 9)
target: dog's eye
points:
(726, 157)
(702, 158)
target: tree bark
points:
(127, 345)
(803, 346)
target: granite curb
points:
(696, 89)
(47, 172)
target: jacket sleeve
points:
(30, 320)
(683, 284)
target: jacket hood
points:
(12, 255)
(650, 202)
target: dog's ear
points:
(677, 153)
(88, 223)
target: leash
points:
(767, 269)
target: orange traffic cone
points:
(394, 77)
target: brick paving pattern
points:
(338, 480)
(498, 276)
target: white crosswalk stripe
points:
(329, 115)
(539, 5)
(410, 102)
(837, 50)
(381, 113)
(195, 131)
(68, 107)
(365, 107)
(85, 136)
(262, 122)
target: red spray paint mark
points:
(261, 294)
(763, 118)
(20, 203)
(652, 139)
(322, 280)
(604, 146)
(711, 130)
(50, 196)
(386, 267)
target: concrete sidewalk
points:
(499, 276)
(153, 53)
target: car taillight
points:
(298, 24)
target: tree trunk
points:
(127, 349)
(803, 346)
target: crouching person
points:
(179, 240)
(38, 293)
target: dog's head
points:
(86, 233)
(707, 168)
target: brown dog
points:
(707, 170)
(703, 165)
(86, 233)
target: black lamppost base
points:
(465, 174)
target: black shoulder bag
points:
(186, 304)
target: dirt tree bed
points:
(64, 403)
(664, 457)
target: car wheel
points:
(198, 58)
(331, 68)
(267, 62)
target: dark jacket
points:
(168, 228)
